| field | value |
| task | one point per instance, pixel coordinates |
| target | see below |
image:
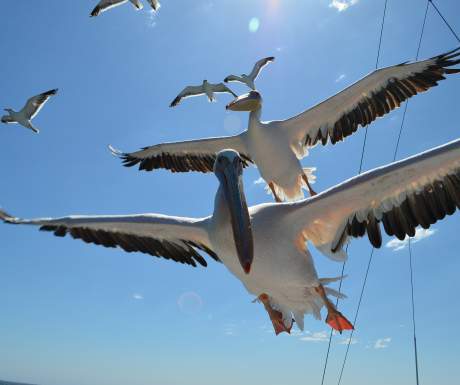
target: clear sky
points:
(78, 314)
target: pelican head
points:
(251, 101)
(228, 168)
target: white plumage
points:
(29, 111)
(249, 80)
(206, 88)
(416, 191)
(276, 147)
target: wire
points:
(359, 172)
(413, 313)
(445, 21)
(372, 251)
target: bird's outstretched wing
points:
(187, 92)
(233, 78)
(221, 87)
(194, 155)
(175, 238)
(7, 119)
(137, 4)
(371, 97)
(259, 65)
(155, 4)
(105, 5)
(417, 191)
(36, 103)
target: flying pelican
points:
(265, 246)
(105, 5)
(29, 111)
(250, 79)
(208, 89)
(276, 147)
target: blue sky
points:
(79, 314)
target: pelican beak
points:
(241, 223)
(251, 101)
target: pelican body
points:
(276, 147)
(265, 246)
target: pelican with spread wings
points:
(276, 147)
(265, 246)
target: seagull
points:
(208, 89)
(105, 5)
(276, 147)
(265, 246)
(250, 79)
(29, 111)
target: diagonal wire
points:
(413, 313)
(359, 172)
(444, 19)
(372, 251)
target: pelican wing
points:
(416, 191)
(193, 155)
(105, 5)
(36, 103)
(259, 65)
(155, 4)
(158, 235)
(221, 87)
(186, 93)
(371, 97)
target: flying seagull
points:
(250, 79)
(208, 89)
(105, 5)
(276, 147)
(29, 111)
(265, 246)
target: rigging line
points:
(372, 251)
(407, 103)
(359, 172)
(356, 315)
(444, 19)
(413, 313)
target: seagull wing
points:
(35, 103)
(233, 78)
(163, 236)
(155, 4)
(221, 87)
(259, 65)
(137, 4)
(371, 97)
(187, 92)
(194, 155)
(419, 190)
(105, 5)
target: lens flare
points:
(254, 24)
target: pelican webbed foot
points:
(275, 316)
(334, 319)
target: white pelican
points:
(206, 88)
(250, 79)
(270, 240)
(276, 147)
(105, 5)
(29, 111)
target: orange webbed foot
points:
(337, 321)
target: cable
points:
(372, 251)
(445, 21)
(413, 313)
(359, 172)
